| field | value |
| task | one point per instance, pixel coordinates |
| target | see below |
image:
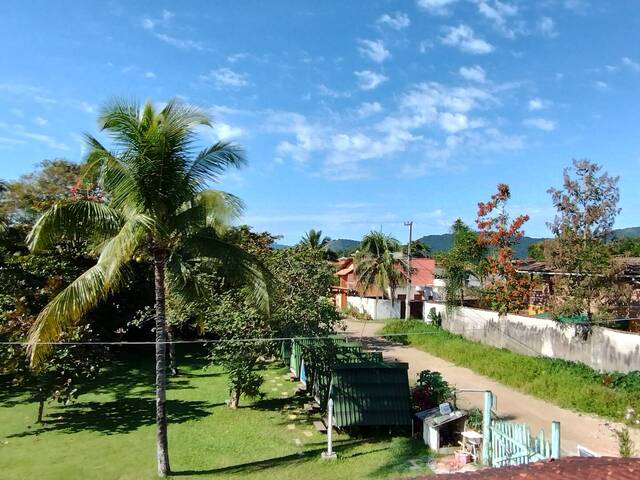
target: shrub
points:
(430, 391)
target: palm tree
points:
(379, 263)
(154, 200)
(314, 240)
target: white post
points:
(329, 454)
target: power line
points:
(228, 340)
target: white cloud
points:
(87, 107)
(149, 74)
(374, 49)
(329, 92)
(397, 21)
(151, 24)
(502, 15)
(185, 44)
(537, 104)
(438, 7)
(601, 85)
(465, 39)
(547, 27)
(474, 73)
(629, 63)
(224, 131)
(368, 80)
(367, 109)
(45, 139)
(40, 121)
(453, 122)
(540, 123)
(225, 77)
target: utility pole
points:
(407, 306)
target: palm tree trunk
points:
(173, 365)
(161, 373)
(40, 409)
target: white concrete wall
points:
(384, 309)
(602, 349)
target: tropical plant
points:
(314, 240)
(156, 202)
(507, 291)
(466, 257)
(380, 265)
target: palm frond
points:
(77, 299)
(210, 208)
(75, 220)
(211, 162)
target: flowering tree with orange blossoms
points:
(507, 291)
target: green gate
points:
(509, 443)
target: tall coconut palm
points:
(379, 264)
(314, 240)
(155, 200)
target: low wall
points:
(602, 349)
(385, 308)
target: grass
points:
(567, 384)
(109, 433)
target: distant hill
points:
(343, 245)
(442, 242)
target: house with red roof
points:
(348, 292)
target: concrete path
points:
(595, 433)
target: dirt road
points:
(594, 433)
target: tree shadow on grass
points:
(259, 465)
(119, 416)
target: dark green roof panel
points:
(371, 394)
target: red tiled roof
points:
(422, 271)
(345, 271)
(567, 468)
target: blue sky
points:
(354, 115)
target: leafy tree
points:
(587, 204)
(419, 249)
(158, 205)
(25, 199)
(628, 247)
(535, 251)
(234, 319)
(507, 291)
(379, 264)
(466, 257)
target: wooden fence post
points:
(555, 440)
(486, 428)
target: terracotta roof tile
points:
(567, 468)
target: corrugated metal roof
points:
(371, 394)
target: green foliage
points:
(567, 384)
(474, 419)
(379, 264)
(535, 251)
(625, 444)
(233, 319)
(430, 391)
(351, 311)
(466, 257)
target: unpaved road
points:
(594, 433)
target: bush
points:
(430, 391)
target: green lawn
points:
(109, 433)
(567, 384)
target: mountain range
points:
(442, 242)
